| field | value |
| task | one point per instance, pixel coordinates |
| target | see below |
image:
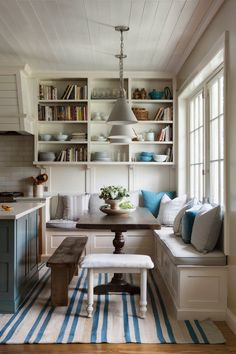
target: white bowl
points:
(45, 137)
(159, 158)
(47, 156)
(60, 137)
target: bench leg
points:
(76, 271)
(90, 293)
(59, 286)
(143, 293)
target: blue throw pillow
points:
(187, 223)
(152, 200)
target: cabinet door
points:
(6, 262)
(21, 251)
(32, 242)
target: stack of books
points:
(164, 113)
(73, 154)
(165, 134)
(169, 153)
(69, 112)
(75, 92)
(78, 137)
(47, 92)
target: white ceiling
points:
(80, 35)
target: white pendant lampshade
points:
(121, 132)
(121, 114)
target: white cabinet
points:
(79, 107)
(16, 101)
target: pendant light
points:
(121, 114)
(121, 134)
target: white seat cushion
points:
(62, 224)
(117, 261)
(185, 254)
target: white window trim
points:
(216, 57)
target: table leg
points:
(117, 284)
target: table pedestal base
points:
(115, 286)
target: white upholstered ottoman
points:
(118, 263)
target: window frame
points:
(203, 89)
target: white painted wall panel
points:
(224, 20)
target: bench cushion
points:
(117, 261)
(62, 224)
(185, 254)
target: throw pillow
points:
(95, 203)
(60, 207)
(152, 200)
(206, 229)
(187, 223)
(177, 226)
(169, 208)
(74, 206)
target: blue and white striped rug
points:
(114, 321)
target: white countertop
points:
(45, 197)
(19, 209)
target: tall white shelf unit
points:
(101, 91)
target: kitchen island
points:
(18, 253)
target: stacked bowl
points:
(101, 156)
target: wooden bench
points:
(64, 264)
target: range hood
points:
(16, 100)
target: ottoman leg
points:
(143, 293)
(90, 292)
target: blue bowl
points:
(145, 158)
(146, 153)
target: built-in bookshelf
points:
(73, 113)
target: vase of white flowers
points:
(113, 195)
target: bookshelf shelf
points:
(67, 142)
(62, 101)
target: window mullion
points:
(206, 145)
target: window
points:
(206, 141)
(196, 146)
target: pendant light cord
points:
(122, 92)
(121, 56)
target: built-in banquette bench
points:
(197, 282)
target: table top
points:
(141, 218)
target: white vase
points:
(38, 190)
(113, 203)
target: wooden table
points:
(140, 219)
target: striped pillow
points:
(74, 206)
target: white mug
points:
(150, 136)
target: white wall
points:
(223, 21)
(79, 179)
(16, 156)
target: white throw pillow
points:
(177, 226)
(206, 228)
(169, 208)
(95, 203)
(74, 206)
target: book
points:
(168, 113)
(63, 97)
(160, 113)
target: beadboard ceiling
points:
(80, 35)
